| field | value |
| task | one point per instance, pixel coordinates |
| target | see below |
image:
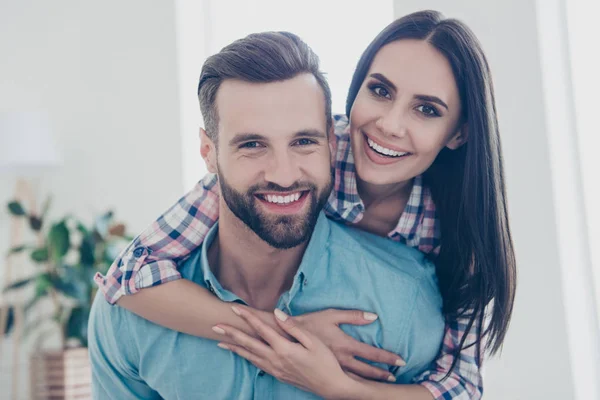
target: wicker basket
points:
(61, 375)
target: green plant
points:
(67, 256)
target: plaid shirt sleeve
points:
(465, 382)
(152, 257)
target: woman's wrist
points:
(347, 389)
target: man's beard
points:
(279, 231)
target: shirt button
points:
(261, 373)
(138, 252)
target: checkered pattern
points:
(152, 258)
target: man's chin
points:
(285, 232)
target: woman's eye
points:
(428, 110)
(380, 91)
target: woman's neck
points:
(384, 205)
(373, 195)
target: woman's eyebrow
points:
(383, 79)
(432, 99)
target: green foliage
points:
(68, 259)
(16, 209)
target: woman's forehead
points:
(416, 66)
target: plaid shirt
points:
(152, 258)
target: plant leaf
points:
(58, 240)
(77, 325)
(16, 208)
(18, 284)
(86, 250)
(35, 223)
(18, 249)
(10, 320)
(40, 255)
(42, 284)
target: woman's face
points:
(406, 111)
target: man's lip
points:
(387, 146)
(302, 191)
(285, 208)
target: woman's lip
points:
(386, 145)
(377, 158)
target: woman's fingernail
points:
(223, 346)
(400, 362)
(280, 315)
(391, 378)
(220, 331)
(369, 316)
(236, 310)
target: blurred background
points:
(98, 111)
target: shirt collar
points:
(311, 259)
(209, 278)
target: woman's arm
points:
(186, 307)
(363, 389)
(151, 258)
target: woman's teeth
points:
(282, 199)
(383, 151)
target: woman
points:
(419, 162)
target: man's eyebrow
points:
(310, 133)
(245, 137)
(424, 97)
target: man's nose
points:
(283, 170)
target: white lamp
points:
(27, 146)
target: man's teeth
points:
(282, 199)
(383, 150)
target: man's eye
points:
(250, 145)
(304, 142)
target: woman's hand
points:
(308, 364)
(325, 325)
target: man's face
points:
(273, 157)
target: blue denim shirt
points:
(342, 267)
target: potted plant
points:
(67, 255)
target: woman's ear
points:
(208, 151)
(459, 138)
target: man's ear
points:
(459, 138)
(208, 151)
(332, 142)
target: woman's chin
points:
(374, 176)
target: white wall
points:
(118, 79)
(106, 72)
(535, 362)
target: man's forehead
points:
(282, 107)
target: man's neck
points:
(246, 265)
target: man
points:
(267, 113)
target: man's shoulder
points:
(359, 244)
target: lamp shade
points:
(27, 145)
